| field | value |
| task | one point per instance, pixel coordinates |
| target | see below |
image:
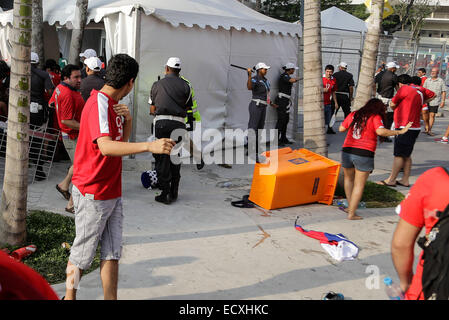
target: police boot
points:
(174, 189)
(164, 197)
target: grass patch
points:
(376, 195)
(48, 231)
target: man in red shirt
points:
(329, 89)
(427, 196)
(407, 106)
(97, 187)
(68, 103)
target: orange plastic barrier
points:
(294, 177)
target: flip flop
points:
(386, 184)
(65, 193)
(402, 185)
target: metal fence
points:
(42, 147)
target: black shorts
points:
(404, 143)
(433, 109)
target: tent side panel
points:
(204, 54)
(247, 49)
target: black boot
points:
(164, 197)
(200, 166)
(174, 189)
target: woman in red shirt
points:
(363, 126)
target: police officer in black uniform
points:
(170, 98)
(282, 101)
(260, 87)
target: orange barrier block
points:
(294, 177)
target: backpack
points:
(435, 245)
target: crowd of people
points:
(83, 103)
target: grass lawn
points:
(48, 231)
(376, 196)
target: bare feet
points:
(351, 216)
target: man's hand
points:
(161, 146)
(122, 110)
(274, 105)
(442, 104)
(250, 72)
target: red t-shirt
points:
(331, 84)
(367, 139)
(94, 173)
(425, 93)
(409, 101)
(69, 105)
(423, 79)
(426, 197)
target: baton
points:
(239, 67)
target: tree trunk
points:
(78, 31)
(314, 134)
(37, 42)
(13, 208)
(369, 58)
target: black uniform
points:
(283, 103)
(172, 97)
(258, 106)
(344, 81)
(387, 82)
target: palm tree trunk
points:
(13, 206)
(37, 43)
(369, 58)
(78, 31)
(314, 134)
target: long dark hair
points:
(373, 107)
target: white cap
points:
(88, 53)
(34, 57)
(262, 65)
(343, 65)
(93, 63)
(290, 66)
(174, 63)
(392, 65)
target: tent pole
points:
(136, 25)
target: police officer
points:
(170, 98)
(345, 87)
(282, 101)
(260, 87)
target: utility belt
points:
(259, 101)
(283, 95)
(172, 118)
(345, 93)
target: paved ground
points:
(201, 247)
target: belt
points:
(345, 93)
(259, 101)
(283, 95)
(173, 118)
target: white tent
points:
(342, 39)
(208, 36)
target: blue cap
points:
(388, 281)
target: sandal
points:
(65, 193)
(402, 185)
(70, 210)
(386, 184)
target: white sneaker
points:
(444, 140)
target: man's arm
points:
(443, 98)
(249, 83)
(351, 92)
(72, 124)
(111, 148)
(402, 252)
(334, 96)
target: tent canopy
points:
(339, 19)
(203, 13)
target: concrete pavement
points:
(201, 247)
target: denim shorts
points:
(96, 221)
(361, 163)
